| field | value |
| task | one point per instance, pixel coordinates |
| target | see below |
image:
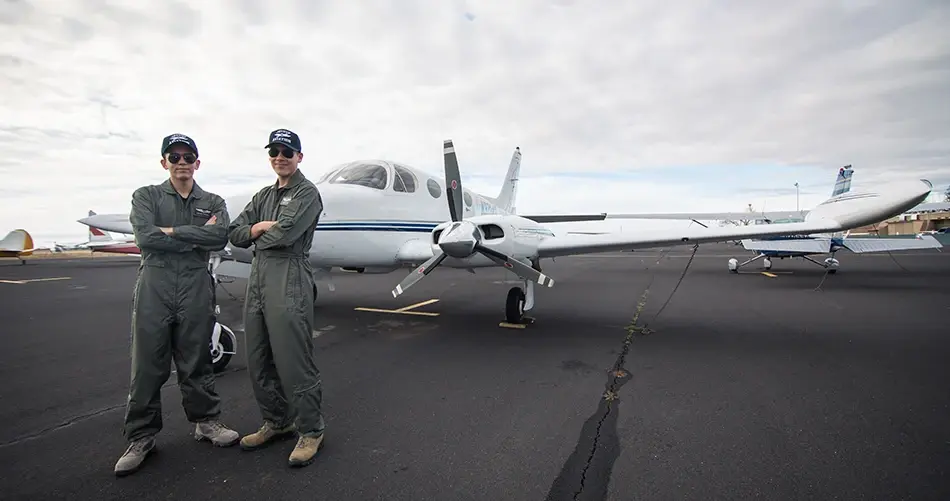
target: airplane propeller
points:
(462, 239)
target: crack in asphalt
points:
(600, 439)
(86, 416)
(594, 437)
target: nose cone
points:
(459, 240)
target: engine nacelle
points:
(510, 235)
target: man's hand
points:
(259, 228)
(167, 231)
(214, 219)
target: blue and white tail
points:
(843, 182)
(506, 199)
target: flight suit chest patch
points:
(285, 200)
(201, 212)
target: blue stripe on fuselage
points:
(401, 226)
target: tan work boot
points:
(132, 459)
(305, 451)
(216, 433)
(264, 435)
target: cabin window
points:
(327, 175)
(467, 198)
(371, 176)
(434, 189)
(404, 180)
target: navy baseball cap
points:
(284, 137)
(178, 139)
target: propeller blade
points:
(417, 274)
(453, 180)
(517, 267)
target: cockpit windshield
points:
(369, 175)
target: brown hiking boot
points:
(265, 435)
(305, 451)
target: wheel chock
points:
(526, 321)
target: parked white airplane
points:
(818, 244)
(842, 185)
(380, 216)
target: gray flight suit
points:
(278, 308)
(173, 303)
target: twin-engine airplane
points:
(380, 216)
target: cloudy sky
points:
(639, 106)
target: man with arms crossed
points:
(278, 309)
(176, 225)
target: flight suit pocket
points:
(288, 211)
(201, 215)
(293, 290)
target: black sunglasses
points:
(286, 152)
(189, 157)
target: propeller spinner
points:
(462, 239)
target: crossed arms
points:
(247, 228)
(212, 236)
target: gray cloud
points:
(90, 87)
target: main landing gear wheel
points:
(221, 352)
(514, 306)
(831, 264)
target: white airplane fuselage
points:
(365, 227)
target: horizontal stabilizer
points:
(802, 245)
(862, 245)
(233, 269)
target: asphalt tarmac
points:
(748, 386)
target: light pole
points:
(797, 208)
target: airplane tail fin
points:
(17, 241)
(843, 182)
(509, 191)
(97, 235)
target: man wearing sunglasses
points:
(176, 225)
(278, 308)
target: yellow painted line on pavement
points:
(405, 310)
(417, 305)
(29, 280)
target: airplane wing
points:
(802, 245)
(699, 216)
(414, 251)
(565, 218)
(713, 216)
(568, 245)
(117, 223)
(863, 245)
